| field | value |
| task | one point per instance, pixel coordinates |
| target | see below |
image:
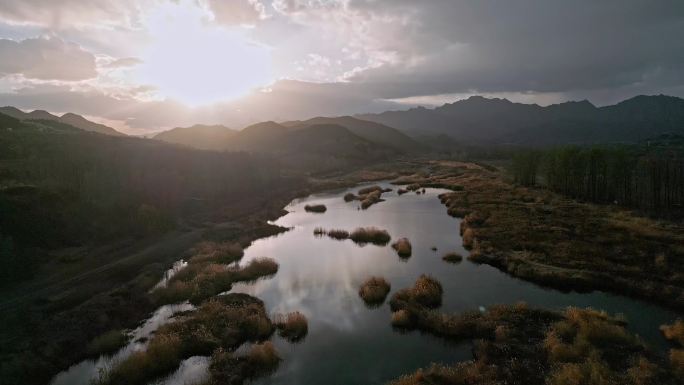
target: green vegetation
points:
(363, 235)
(223, 322)
(426, 292)
(107, 343)
(315, 208)
(650, 178)
(452, 257)
(402, 247)
(374, 291)
(292, 326)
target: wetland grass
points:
(292, 326)
(315, 208)
(452, 257)
(402, 247)
(374, 290)
(364, 235)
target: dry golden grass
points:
(452, 257)
(207, 251)
(674, 332)
(338, 234)
(402, 247)
(371, 189)
(292, 326)
(401, 319)
(264, 356)
(677, 362)
(370, 235)
(374, 290)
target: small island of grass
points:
(374, 291)
(315, 208)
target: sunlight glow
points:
(197, 62)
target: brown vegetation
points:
(200, 281)
(674, 332)
(229, 369)
(348, 197)
(225, 253)
(107, 343)
(338, 234)
(315, 208)
(541, 236)
(292, 326)
(426, 291)
(519, 345)
(403, 247)
(223, 322)
(372, 235)
(374, 291)
(452, 257)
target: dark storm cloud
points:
(543, 46)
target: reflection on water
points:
(85, 371)
(348, 343)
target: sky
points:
(147, 65)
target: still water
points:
(349, 343)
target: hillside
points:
(482, 120)
(69, 118)
(372, 131)
(209, 137)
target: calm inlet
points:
(350, 343)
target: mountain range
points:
(346, 133)
(68, 119)
(479, 120)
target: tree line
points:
(650, 178)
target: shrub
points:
(315, 208)
(401, 319)
(338, 234)
(371, 189)
(319, 232)
(373, 235)
(427, 291)
(452, 257)
(674, 332)
(403, 247)
(677, 362)
(292, 326)
(374, 290)
(348, 197)
(370, 199)
(263, 358)
(108, 342)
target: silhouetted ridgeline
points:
(479, 120)
(64, 187)
(648, 176)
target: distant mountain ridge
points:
(482, 120)
(208, 137)
(69, 118)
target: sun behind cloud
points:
(197, 62)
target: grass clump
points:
(368, 190)
(374, 291)
(338, 234)
(452, 257)
(401, 319)
(370, 199)
(403, 247)
(225, 252)
(372, 235)
(402, 191)
(223, 322)
(348, 197)
(426, 292)
(107, 343)
(292, 326)
(674, 332)
(315, 208)
(227, 368)
(198, 282)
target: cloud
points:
(47, 58)
(59, 14)
(237, 12)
